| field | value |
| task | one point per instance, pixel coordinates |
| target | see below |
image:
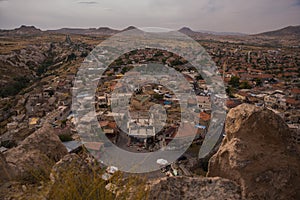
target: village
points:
(263, 76)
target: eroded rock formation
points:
(258, 154)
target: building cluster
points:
(259, 75)
(264, 76)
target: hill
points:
(287, 31)
(22, 30)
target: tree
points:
(124, 70)
(229, 91)
(71, 57)
(245, 85)
(234, 81)
(258, 81)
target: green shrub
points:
(65, 137)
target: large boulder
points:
(187, 188)
(258, 154)
(36, 154)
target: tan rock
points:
(258, 154)
(36, 154)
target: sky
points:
(244, 16)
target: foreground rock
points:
(183, 188)
(258, 154)
(36, 155)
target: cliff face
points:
(258, 154)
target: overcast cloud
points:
(248, 16)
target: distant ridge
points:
(88, 31)
(188, 31)
(107, 30)
(28, 28)
(130, 28)
(223, 33)
(293, 31)
(24, 30)
(287, 31)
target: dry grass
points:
(78, 186)
(75, 182)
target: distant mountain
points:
(88, 31)
(293, 31)
(129, 28)
(107, 30)
(23, 30)
(223, 33)
(190, 32)
(287, 31)
(71, 31)
(186, 30)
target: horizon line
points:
(121, 29)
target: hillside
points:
(287, 31)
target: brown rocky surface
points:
(4, 168)
(36, 154)
(184, 188)
(257, 153)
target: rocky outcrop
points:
(257, 153)
(183, 188)
(36, 154)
